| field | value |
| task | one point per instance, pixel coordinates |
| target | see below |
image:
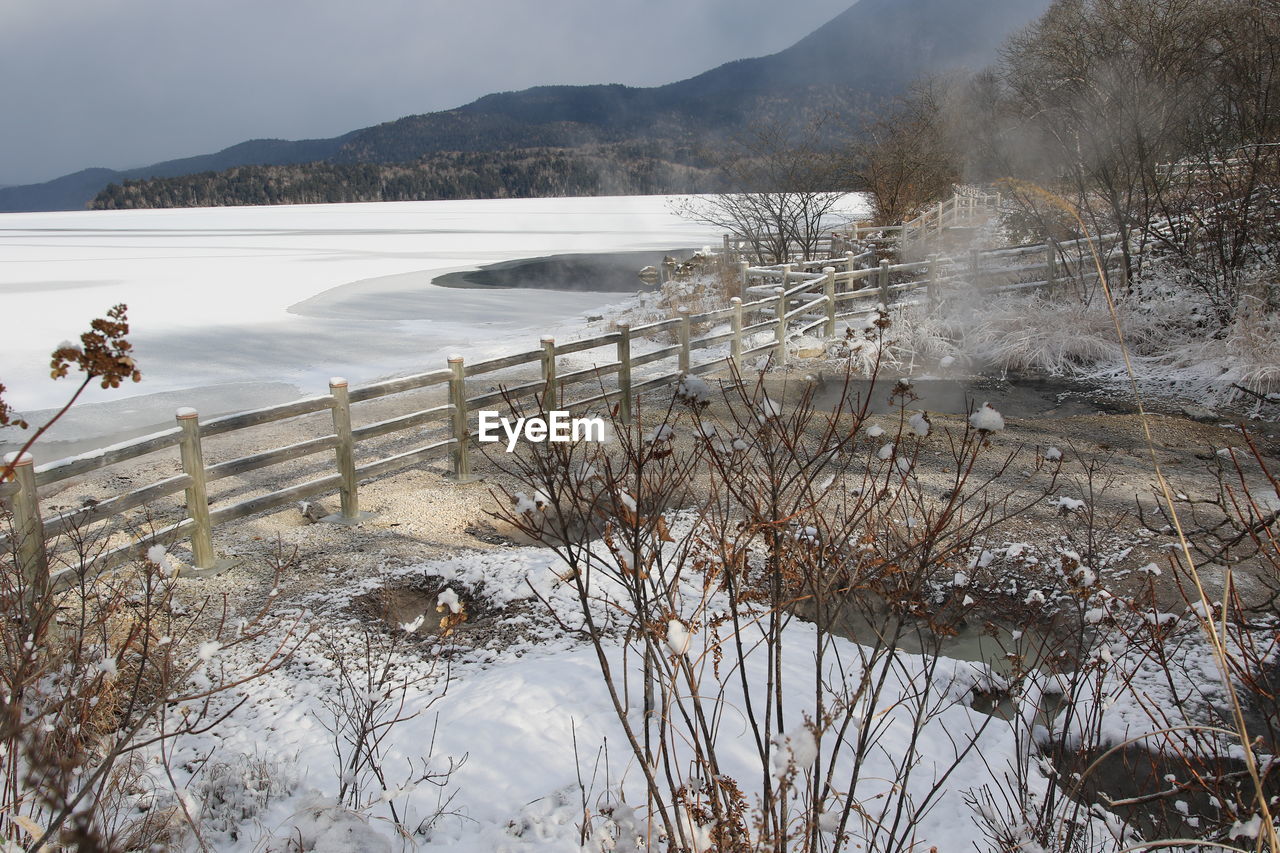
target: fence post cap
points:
(737, 300)
(683, 309)
(828, 270)
(17, 459)
(884, 263)
(548, 339)
(337, 382)
(778, 291)
(185, 413)
(623, 327)
(455, 359)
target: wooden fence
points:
(780, 301)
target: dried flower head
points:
(6, 413)
(103, 352)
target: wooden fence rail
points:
(777, 302)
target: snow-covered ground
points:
(523, 724)
(236, 307)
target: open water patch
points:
(606, 272)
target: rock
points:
(487, 533)
(312, 511)
(808, 347)
(1199, 413)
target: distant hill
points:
(77, 190)
(868, 53)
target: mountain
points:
(864, 55)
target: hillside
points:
(866, 54)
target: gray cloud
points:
(123, 83)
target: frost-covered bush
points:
(1042, 334)
(239, 789)
(1246, 354)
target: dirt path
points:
(421, 514)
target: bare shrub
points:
(100, 672)
(728, 544)
(375, 671)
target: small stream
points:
(1055, 397)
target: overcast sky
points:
(122, 83)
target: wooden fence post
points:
(743, 266)
(548, 373)
(939, 219)
(829, 291)
(33, 560)
(684, 338)
(933, 294)
(780, 329)
(345, 453)
(458, 421)
(849, 260)
(975, 261)
(1050, 265)
(735, 320)
(786, 275)
(202, 555)
(624, 372)
(882, 281)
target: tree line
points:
(617, 169)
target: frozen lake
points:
(238, 307)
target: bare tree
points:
(906, 157)
(787, 186)
(1154, 118)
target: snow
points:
(694, 389)
(1067, 504)
(678, 638)
(769, 408)
(294, 294)
(533, 718)
(1246, 829)
(160, 557)
(448, 599)
(796, 750)
(987, 419)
